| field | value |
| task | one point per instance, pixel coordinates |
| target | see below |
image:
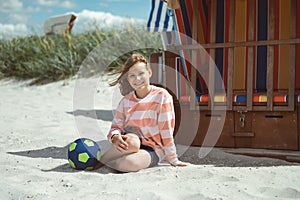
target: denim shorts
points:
(153, 155)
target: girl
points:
(142, 128)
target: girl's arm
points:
(118, 121)
(166, 124)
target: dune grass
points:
(45, 59)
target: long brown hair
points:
(125, 87)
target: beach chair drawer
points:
(225, 139)
(270, 130)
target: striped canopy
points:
(160, 19)
(253, 20)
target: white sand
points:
(38, 122)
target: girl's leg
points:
(113, 154)
(132, 162)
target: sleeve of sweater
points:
(118, 121)
(166, 124)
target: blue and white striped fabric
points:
(160, 19)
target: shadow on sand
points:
(216, 157)
(220, 158)
(61, 153)
(105, 115)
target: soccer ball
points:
(83, 154)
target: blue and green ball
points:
(84, 154)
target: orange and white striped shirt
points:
(151, 118)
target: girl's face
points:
(139, 76)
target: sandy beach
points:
(38, 122)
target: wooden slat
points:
(291, 156)
(261, 108)
(211, 85)
(244, 108)
(163, 62)
(194, 54)
(292, 55)
(236, 44)
(270, 59)
(282, 108)
(250, 55)
(230, 55)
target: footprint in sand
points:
(229, 179)
(288, 192)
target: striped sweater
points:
(151, 118)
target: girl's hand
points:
(182, 164)
(119, 141)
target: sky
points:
(23, 17)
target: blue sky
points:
(18, 17)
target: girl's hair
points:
(125, 87)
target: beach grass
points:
(51, 58)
